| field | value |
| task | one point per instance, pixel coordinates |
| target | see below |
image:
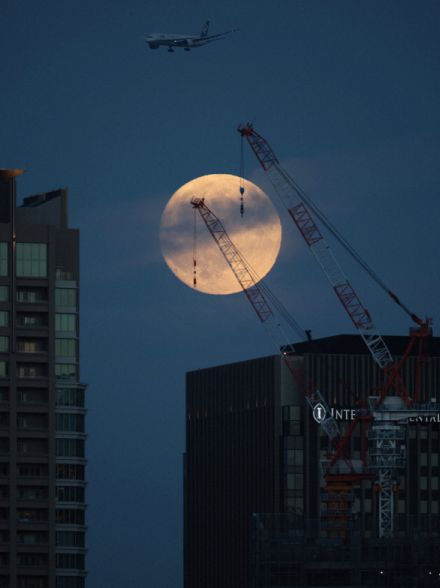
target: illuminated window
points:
(32, 260)
(3, 259)
(4, 293)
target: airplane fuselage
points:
(186, 42)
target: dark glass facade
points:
(42, 434)
(254, 451)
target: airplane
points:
(188, 42)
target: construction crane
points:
(342, 472)
(387, 436)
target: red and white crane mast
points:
(387, 436)
(293, 198)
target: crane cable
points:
(349, 248)
(195, 249)
(241, 177)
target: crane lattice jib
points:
(292, 198)
(234, 260)
(249, 284)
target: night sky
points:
(346, 92)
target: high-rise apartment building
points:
(42, 434)
(253, 470)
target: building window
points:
(4, 293)
(66, 370)
(70, 582)
(31, 370)
(31, 345)
(31, 470)
(70, 560)
(70, 422)
(4, 318)
(3, 259)
(31, 295)
(32, 395)
(70, 516)
(3, 369)
(67, 471)
(70, 493)
(32, 537)
(4, 445)
(33, 320)
(65, 347)
(65, 322)
(65, 297)
(31, 560)
(70, 539)
(70, 397)
(70, 448)
(32, 446)
(35, 515)
(32, 260)
(29, 420)
(32, 582)
(32, 492)
(4, 344)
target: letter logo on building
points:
(319, 413)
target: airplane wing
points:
(219, 35)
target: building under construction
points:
(257, 512)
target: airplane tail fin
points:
(204, 31)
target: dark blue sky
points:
(346, 92)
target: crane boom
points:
(292, 197)
(249, 283)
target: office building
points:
(252, 469)
(42, 434)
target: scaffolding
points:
(290, 551)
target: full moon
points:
(256, 233)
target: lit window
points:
(3, 259)
(32, 260)
(4, 293)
